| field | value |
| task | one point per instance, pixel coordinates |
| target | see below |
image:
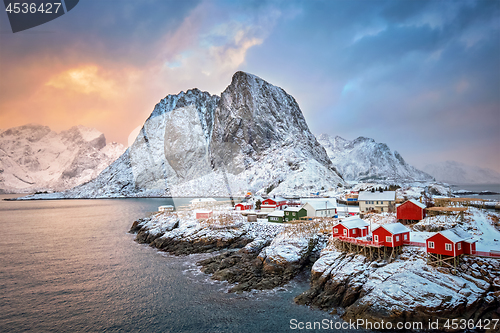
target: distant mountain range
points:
(364, 160)
(34, 158)
(453, 172)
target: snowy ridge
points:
(365, 160)
(34, 158)
(254, 137)
(458, 173)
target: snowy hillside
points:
(254, 137)
(365, 160)
(34, 158)
(458, 173)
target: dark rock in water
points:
(246, 270)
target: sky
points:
(421, 76)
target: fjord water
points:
(70, 265)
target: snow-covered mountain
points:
(34, 158)
(458, 173)
(253, 137)
(365, 160)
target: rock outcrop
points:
(253, 255)
(406, 290)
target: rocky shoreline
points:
(250, 255)
(266, 255)
(404, 290)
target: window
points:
(345, 232)
(430, 245)
(405, 236)
(354, 231)
(335, 230)
(447, 246)
(388, 239)
(459, 246)
(397, 238)
(375, 238)
(381, 209)
(377, 202)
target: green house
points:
(295, 213)
(276, 216)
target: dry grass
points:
(494, 218)
(309, 228)
(220, 220)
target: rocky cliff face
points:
(254, 137)
(404, 290)
(34, 158)
(365, 160)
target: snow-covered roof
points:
(394, 228)
(277, 213)
(418, 203)
(383, 196)
(354, 222)
(166, 206)
(197, 200)
(293, 209)
(321, 204)
(456, 234)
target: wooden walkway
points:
(378, 245)
(357, 241)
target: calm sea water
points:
(70, 265)
(479, 188)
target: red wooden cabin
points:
(351, 227)
(273, 203)
(391, 235)
(243, 206)
(203, 214)
(410, 210)
(451, 242)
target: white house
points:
(166, 208)
(202, 202)
(320, 208)
(379, 201)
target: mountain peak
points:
(240, 75)
(253, 137)
(363, 159)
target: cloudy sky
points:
(421, 76)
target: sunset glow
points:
(429, 71)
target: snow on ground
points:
(378, 219)
(420, 236)
(476, 222)
(435, 223)
(488, 236)
(410, 192)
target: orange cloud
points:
(84, 79)
(116, 98)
